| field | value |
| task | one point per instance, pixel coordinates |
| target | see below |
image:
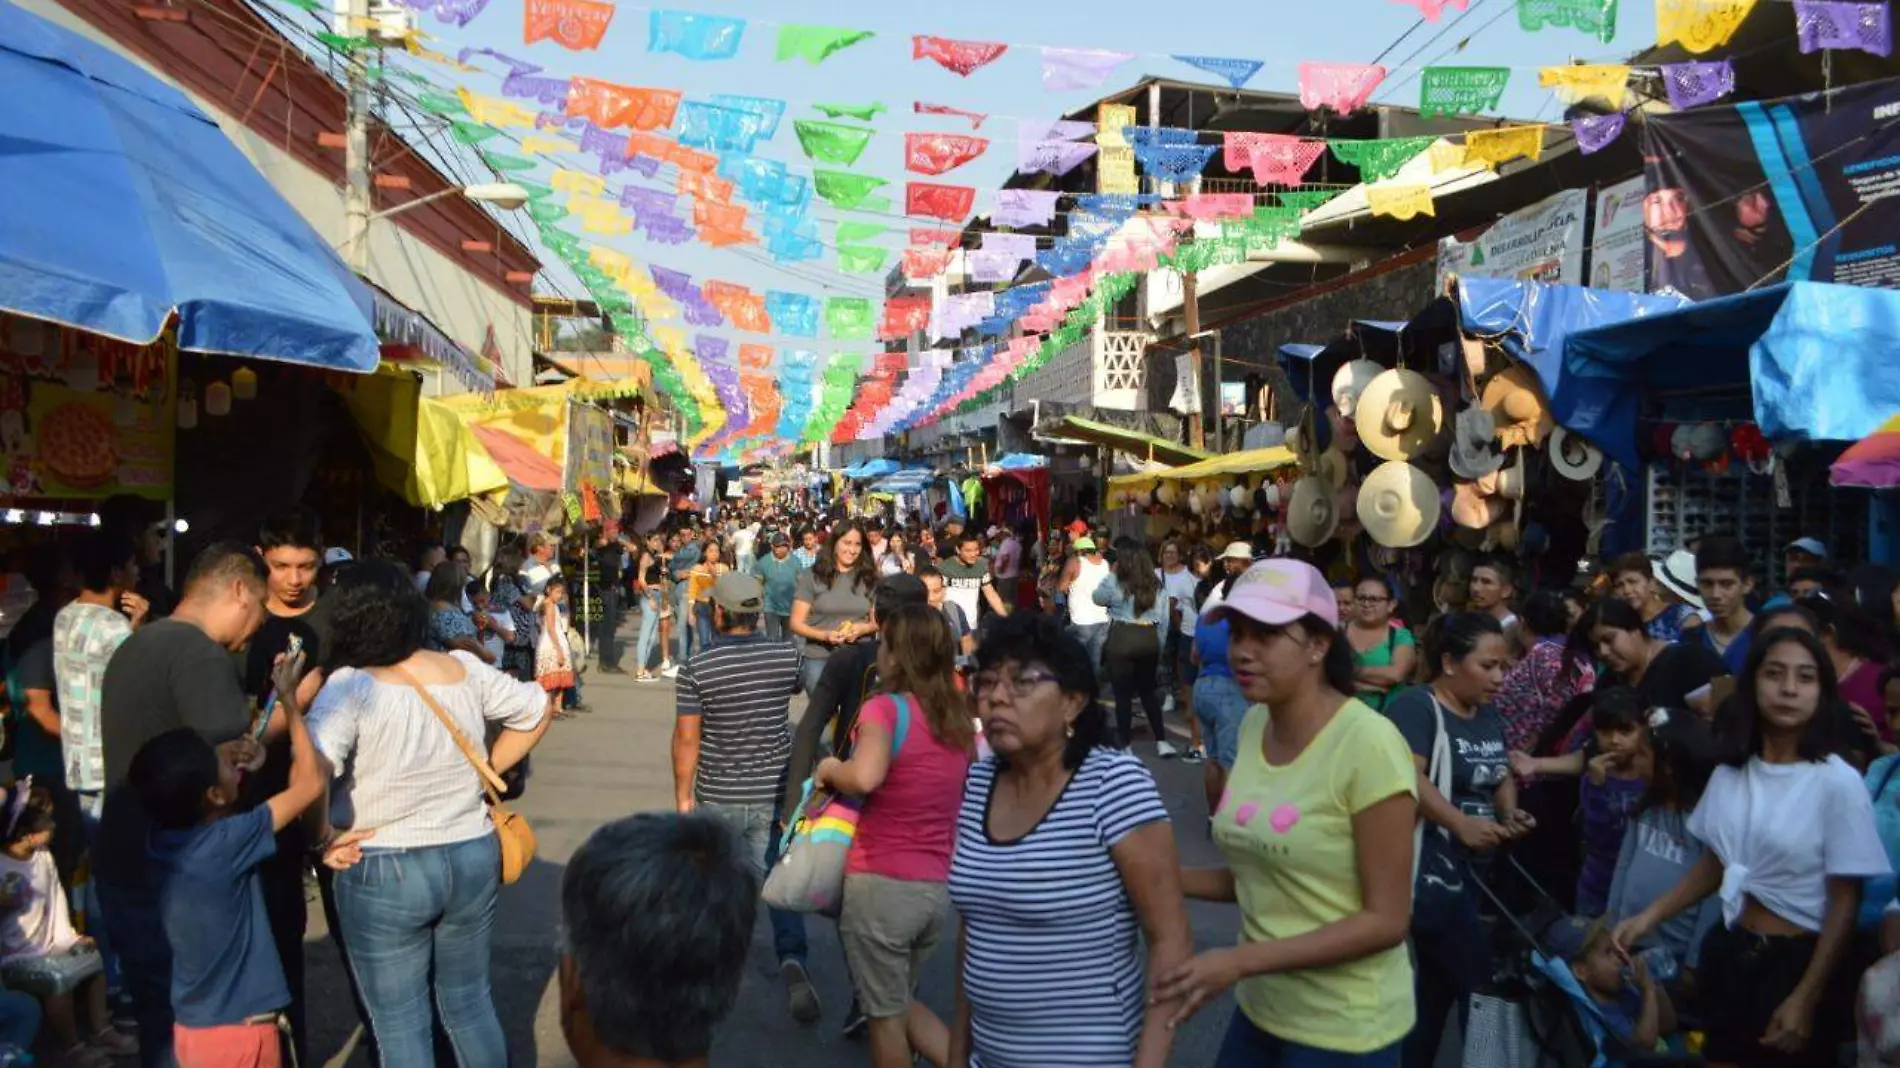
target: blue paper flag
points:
(793, 313)
(694, 35)
(1235, 72)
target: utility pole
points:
(1191, 308)
(353, 20)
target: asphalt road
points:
(615, 761)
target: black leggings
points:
(1133, 653)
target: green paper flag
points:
(832, 142)
(1266, 228)
(875, 205)
(349, 46)
(860, 112)
(1594, 17)
(848, 318)
(815, 44)
(441, 104)
(1305, 200)
(853, 233)
(537, 191)
(842, 188)
(1382, 158)
(543, 211)
(509, 163)
(861, 259)
(1461, 90)
(472, 133)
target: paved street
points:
(615, 761)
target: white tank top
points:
(1083, 610)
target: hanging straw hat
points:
(1312, 515)
(1513, 479)
(1472, 509)
(1351, 381)
(1474, 450)
(1399, 415)
(1572, 456)
(1333, 467)
(1398, 505)
(1516, 401)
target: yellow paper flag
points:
(1699, 25)
(543, 145)
(656, 305)
(613, 261)
(610, 223)
(1400, 200)
(1577, 83)
(579, 183)
(413, 42)
(1489, 148)
(1110, 119)
(672, 341)
(1446, 156)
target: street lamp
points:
(504, 195)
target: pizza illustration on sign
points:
(79, 446)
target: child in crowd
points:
(492, 628)
(553, 660)
(1658, 849)
(228, 988)
(40, 951)
(1613, 782)
(1626, 1000)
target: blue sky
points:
(1281, 33)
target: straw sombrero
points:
(1572, 456)
(1398, 505)
(1399, 415)
(1312, 515)
(1516, 401)
(1351, 381)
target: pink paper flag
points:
(1079, 68)
(1017, 208)
(1343, 87)
(938, 153)
(960, 57)
(1431, 9)
(1273, 158)
(1208, 206)
(976, 117)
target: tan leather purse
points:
(511, 828)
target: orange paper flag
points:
(607, 104)
(574, 24)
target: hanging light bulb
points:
(187, 404)
(217, 399)
(244, 384)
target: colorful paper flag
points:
(1235, 72)
(904, 316)
(1699, 25)
(1016, 208)
(694, 35)
(1379, 159)
(1432, 9)
(1586, 81)
(1594, 17)
(1400, 201)
(1695, 83)
(1595, 132)
(1274, 159)
(1830, 24)
(1492, 148)
(862, 259)
(607, 105)
(577, 25)
(848, 318)
(1461, 90)
(815, 44)
(960, 57)
(860, 112)
(976, 117)
(832, 142)
(939, 153)
(950, 203)
(844, 189)
(1079, 68)
(1341, 87)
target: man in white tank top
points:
(1083, 573)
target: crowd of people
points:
(1698, 774)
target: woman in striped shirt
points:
(1064, 860)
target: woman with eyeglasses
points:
(1384, 654)
(1065, 862)
(1316, 829)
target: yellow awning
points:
(1251, 462)
(1133, 442)
(422, 449)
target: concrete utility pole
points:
(1191, 309)
(352, 17)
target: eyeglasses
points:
(1019, 683)
(1370, 601)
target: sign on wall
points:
(1541, 243)
(1616, 241)
(83, 415)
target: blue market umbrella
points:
(124, 203)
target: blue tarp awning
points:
(124, 203)
(1819, 358)
(873, 468)
(1530, 320)
(1294, 350)
(912, 481)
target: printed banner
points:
(1540, 243)
(1461, 90)
(1726, 207)
(577, 25)
(589, 457)
(86, 416)
(1617, 245)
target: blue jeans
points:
(778, 628)
(1247, 1046)
(810, 671)
(1220, 706)
(572, 695)
(649, 632)
(418, 922)
(683, 636)
(703, 624)
(759, 826)
(145, 964)
(1093, 636)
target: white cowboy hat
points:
(1351, 380)
(1676, 573)
(1572, 456)
(1238, 550)
(1399, 415)
(1313, 514)
(1398, 505)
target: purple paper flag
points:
(673, 230)
(1054, 157)
(453, 12)
(515, 66)
(555, 120)
(644, 166)
(1021, 246)
(549, 91)
(961, 311)
(1079, 68)
(1823, 24)
(1024, 207)
(1000, 256)
(1696, 83)
(641, 201)
(1596, 131)
(603, 142)
(676, 284)
(1033, 130)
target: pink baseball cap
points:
(1281, 591)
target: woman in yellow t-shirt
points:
(699, 584)
(1316, 826)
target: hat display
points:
(1474, 450)
(1399, 415)
(1472, 509)
(1511, 479)
(1516, 401)
(1237, 550)
(1697, 442)
(1572, 456)
(737, 592)
(1398, 505)
(1351, 380)
(1311, 516)
(1676, 573)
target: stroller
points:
(1538, 1015)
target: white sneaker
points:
(1165, 749)
(1167, 702)
(670, 670)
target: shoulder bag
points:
(511, 828)
(809, 875)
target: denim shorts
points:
(57, 973)
(1220, 706)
